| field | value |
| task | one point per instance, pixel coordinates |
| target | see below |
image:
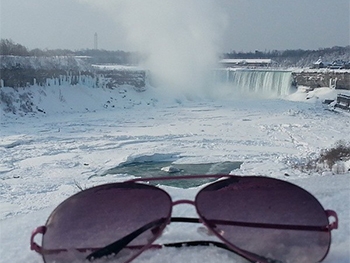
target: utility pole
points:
(95, 41)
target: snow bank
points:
(46, 158)
(78, 132)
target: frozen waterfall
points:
(261, 82)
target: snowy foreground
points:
(45, 157)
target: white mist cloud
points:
(181, 37)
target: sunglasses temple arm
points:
(214, 223)
(117, 246)
(243, 253)
(122, 243)
(185, 220)
(33, 245)
(254, 258)
(333, 225)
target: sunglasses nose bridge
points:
(183, 201)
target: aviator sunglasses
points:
(261, 219)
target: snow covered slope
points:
(86, 131)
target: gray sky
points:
(241, 25)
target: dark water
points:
(156, 169)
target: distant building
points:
(231, 63)
(339, 64)
(336, 64)
(319, 64)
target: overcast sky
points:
(241, 25)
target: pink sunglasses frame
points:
(226, 244)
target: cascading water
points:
(261, 82)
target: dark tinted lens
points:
(284, 221)
(97, 217)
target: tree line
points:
(9, 47)
(341, 51)
(298, 57)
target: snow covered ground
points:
(85, 132)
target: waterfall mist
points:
(181, 39)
